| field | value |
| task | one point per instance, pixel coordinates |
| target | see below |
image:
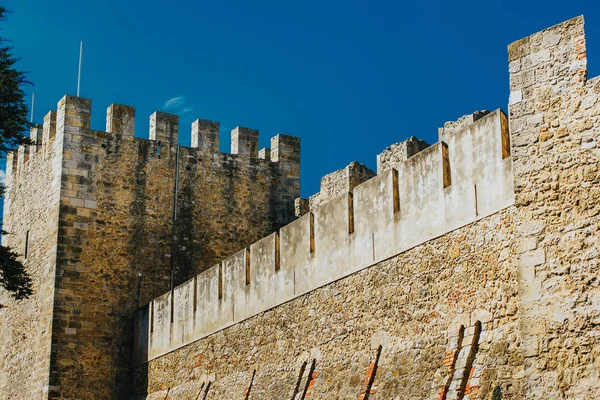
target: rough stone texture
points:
(505, 307)
(31, 204)
(412, 305)
(555, 125)
(380, 218)
(340, 181)
(205, 135)
(452, 127)
(397, 153)
(301, 206)
(285, 151)
(99, 208)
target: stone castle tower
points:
(463, 270)
(92, 213)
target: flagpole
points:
(32, 106)
(79, 74)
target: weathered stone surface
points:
(379, 218)
(452, 127)
(339, 182)
(98, 207)
(31, 210)
(397, 153)
(410, 304)
(506, 307)
(557, 197)
(468, 271)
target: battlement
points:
(443, 276)
(138, 214)
(397, 153)
(367, 219)
(451, 127)
(335, 183)
(75, 114)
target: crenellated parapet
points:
(205, 135)
(49, 130)
(244, 141)
(120, 119)
(445, 275)
(135, 214)
(36, 136)
(73, 116)
(335, 183)
(164, 127)
(460, 124)
(365, 219)
(83, 156)
(397, 153)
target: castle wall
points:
(451, 127)
(525, 275)
(466, 270)
(116, 239)
(396, 240)
(554, 122)
(412, 304)
(431, 193)
(337, 183)
(396, 154)
(31, 209)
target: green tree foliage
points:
(14, 278)
(13, 110)
(13, 122)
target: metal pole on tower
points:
(32, 106)
(79, 74)
(174, 236)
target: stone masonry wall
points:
(452, 127)
(429, 195)
(117, 224)
(505, 307)
(31, 215)
(555, 127)
(338, 182)
(397, 153)
(116, 241)
(413, 305)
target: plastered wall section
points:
(432, 193)
(31, 209)
(554, 122)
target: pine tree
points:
(13, 110)
(13, 277)
(13, 123)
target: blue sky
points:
(349, 78)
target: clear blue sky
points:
(349, 78)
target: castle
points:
(467, 269)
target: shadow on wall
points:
(497, 393)
(140, 377)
